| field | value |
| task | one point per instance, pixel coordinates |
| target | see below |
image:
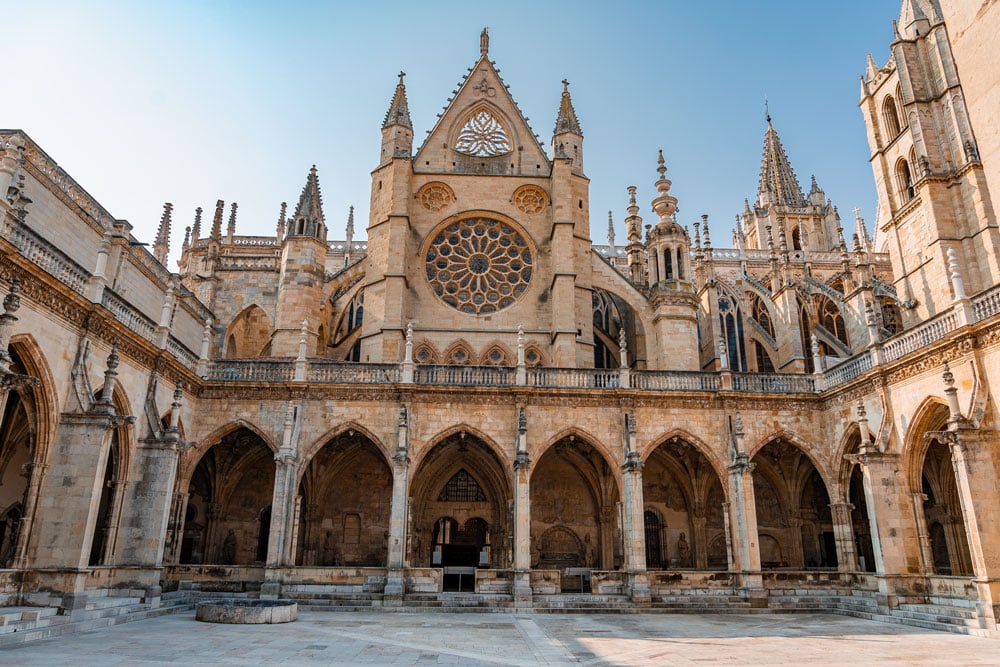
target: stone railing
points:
(346, 372)
(468, 376)
(674, 381)
(181, 352)
(574, 378)
(987, 304)
(129, 315)
(249, 262)
(49, 258)
(848, 370)
(924, 334)
(255, 240)
(251, 370)
(774, 383)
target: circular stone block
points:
(247, 611)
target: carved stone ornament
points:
(435, 196)
(530, 199)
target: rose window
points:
(479, 265)
(482, 136)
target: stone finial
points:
(187, 238)
(220, 207)
(231, 225)
(282, 221)
(622, 349)
(738, 423)
(661, 167)
(350, 228)
(484, 43)
(707, 238)
(522, 421)
(408, 354)
(611, 231)
(175, 410)
(161, 247)
(955, 274)
(110, 376)
(723, 353)
(403, 417)
(12, 302)
(814, 345)
(951, 392)
(196, 227)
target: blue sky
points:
(190, 102)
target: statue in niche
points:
(683, 551)
(229, 548)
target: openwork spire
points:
(778, 185)
(309, 211)
(566, 121)
(399, 109)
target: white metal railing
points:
(848, 370)
(577, 378)
(778, 383)
(251, 370)
(129, 315)
(925, 334)
(346, 372)
(52, 260)
(987, 304)
(469, 376)
(675, 381)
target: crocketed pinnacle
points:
(399, 110)
(778, 185)
(310, 206)
(566, 121)
(217, 220)
(161, 248)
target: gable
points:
(482, 131)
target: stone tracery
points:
(482, 136)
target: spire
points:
(217, 220)
(161, 248)
(484, 41)
(861, 231)
(399, 109)
(566, 120)
(778, 185)
(611, 231)
(309, 212)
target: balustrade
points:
(49, 258)
(925, 334)
(129, 315)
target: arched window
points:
(668, 264)
(891, 117)
(731, 326)
(797, 238)
(904, 180)
(892, 320)
(761, 314)
(350, 322)
(805, 330)
(831, 319)
(608, 325)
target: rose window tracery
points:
(479, 265)
(482, 136)
(435, 196)
(530, 199)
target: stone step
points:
(943, 610)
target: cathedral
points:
(477, 405)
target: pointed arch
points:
(572, 432)
(248, 333)
(47, 405)
(496, 354)
(676, 433)
(425, 353)
(807, 448)
(190, 459)
(931, 415)
(307, 453)
(458, 429)
(483, 131)
(458, 353)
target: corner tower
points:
(933, 194)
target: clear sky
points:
(190, 102)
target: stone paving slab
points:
(381, 638)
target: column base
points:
(270, 590)
(392, 594)
(522, 590)
(638, 589)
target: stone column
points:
(699, 537)
(398, 515)
(282, 526)
(175, 539)
(843, 535)
(743, 518)
(70, 494)
(923, 535)
(522, 516)
(634, 526)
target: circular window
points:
(479, 265)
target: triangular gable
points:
(493, 125)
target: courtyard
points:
(511, 639)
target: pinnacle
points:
(566, 121)
(399, 109)
(310, 206)
(777, 180)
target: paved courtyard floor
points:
(529, 639)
